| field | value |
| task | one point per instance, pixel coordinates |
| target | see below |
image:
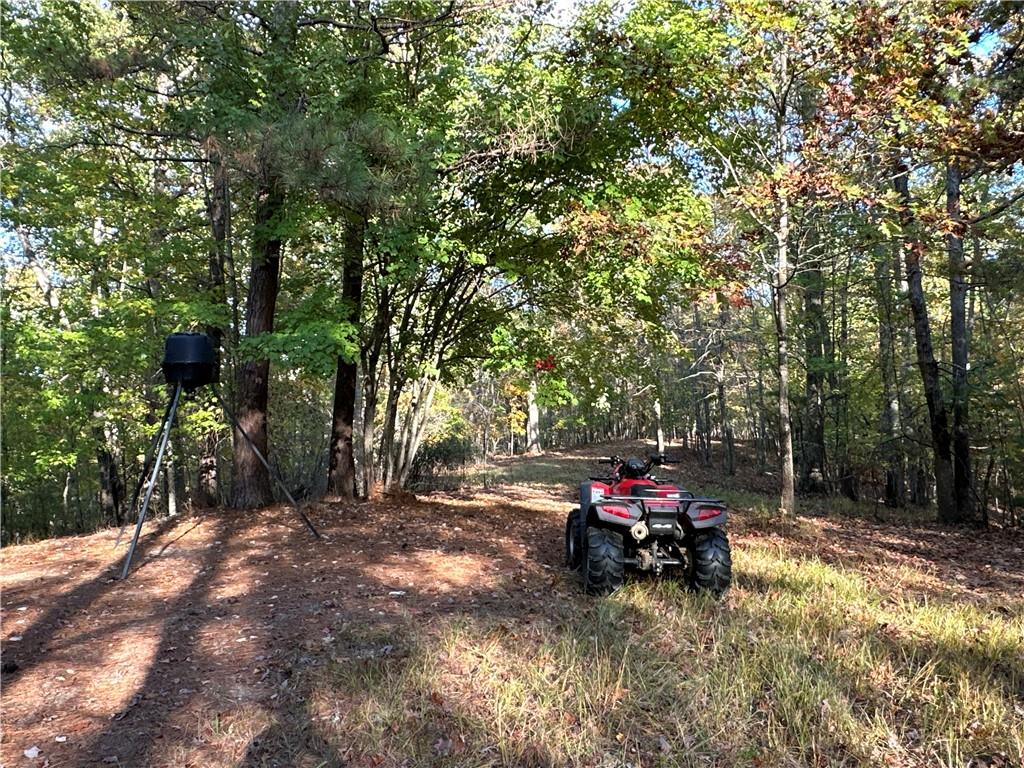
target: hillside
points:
(445, 631)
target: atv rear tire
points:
(604, 567)
(574, 532)
(710, 562)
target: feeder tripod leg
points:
(259, 455)
(168, 423)
(145, 473)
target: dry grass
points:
(446, 633)
(805, 664)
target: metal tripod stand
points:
(161, 438)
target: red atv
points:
(631, 518)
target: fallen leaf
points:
(443, 746)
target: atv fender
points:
(590, 494)
(613, 513)
(705, 513)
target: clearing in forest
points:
(446, 631)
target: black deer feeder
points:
(190, 362)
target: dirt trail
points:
(222, 608)
(219, 607)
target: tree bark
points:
(787, 491)
(533, 446)
(388, 448)
(891, 425)
(729, 458)
(849, 480)
(341, 474)
(416, 420)
(812, 469)
(658, 427)
(111, 489)
(373, 383)
(251, 480)
(172, 479)
(217, 206)
(913, 250)
(963, 481)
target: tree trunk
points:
(913, 250)
(388, 447)
(729, 463)
(373, 382)
(341, 475)
(209, 472)
(111, 491)
(172, 480)
(659, 430)
(217, 206)
(65, 503)
(787, 496)
(849, 480)
(780, 282)
(532, 420)
(251, 480)
(891, 427)
(963, 482)
(812, 470)
(416, 420)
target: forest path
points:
(240, 641)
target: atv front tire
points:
(604, 567)
(710, 562)
(574, 533)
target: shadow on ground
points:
(447, 632)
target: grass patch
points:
(805, 664)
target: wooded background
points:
(422, 234)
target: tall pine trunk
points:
(341, 474)
(251, 480)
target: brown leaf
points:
(443, 746)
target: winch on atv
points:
(632, 518)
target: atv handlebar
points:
(653, 460)
(661, 458)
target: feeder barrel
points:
(189, 360)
